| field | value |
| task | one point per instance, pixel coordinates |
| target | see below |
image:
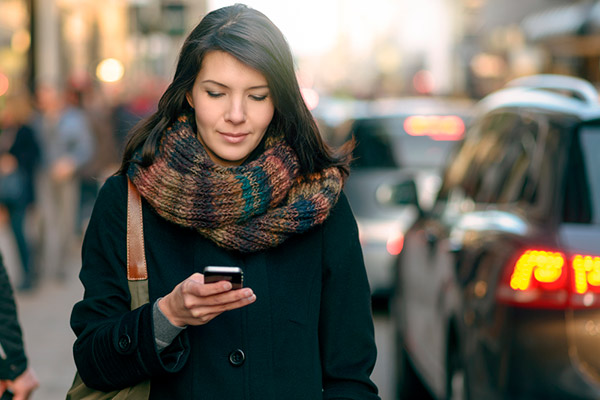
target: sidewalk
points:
(44, 315)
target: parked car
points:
(397, 138)
(499, 284)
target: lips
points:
(231, 137)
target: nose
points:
(236, 114)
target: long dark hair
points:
(252, 38)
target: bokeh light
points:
(110, 70)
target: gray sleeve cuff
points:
(164, 331)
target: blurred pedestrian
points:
(15, 375)
(67, 144)
(131, 108)
(105, 158)
(19, 154)
(232, 171)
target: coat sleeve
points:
(346, 330)
(13, 361)
(115, 346)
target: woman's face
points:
(233, 107)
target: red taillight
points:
(586, 274)
(539, 269)
(545, 279)
(586, 281)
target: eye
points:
(214, 94)
(258, 98)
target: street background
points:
(112, 60)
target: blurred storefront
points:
(381, 48)
(15, 42)
(514, 38)
(119, 43)
(570, 35)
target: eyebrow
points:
(225, 86)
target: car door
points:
(426, 271)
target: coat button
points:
(124, 342)
(237, 358)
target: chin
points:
(232, 160)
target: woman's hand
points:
(193, 302)
(8, 163)
(23, 386)
(63, 169)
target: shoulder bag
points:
(137, 278)
(12, 183)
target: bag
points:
(12, 186)
(137, 279)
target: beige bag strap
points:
(137, 271)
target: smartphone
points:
(235, 275)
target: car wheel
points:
(456, 377)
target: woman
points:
(232, 172)
(19, 153)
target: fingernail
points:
(251, 298)
(227, 286)
(248, 292)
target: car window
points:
(582, 192)
(384, 143)
(532, 160)
(497, 156)
(521, 156)
(510, 156)
(461, 162)
(475, 168)
(374, 145)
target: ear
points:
(189, 99)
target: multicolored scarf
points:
(247, 208)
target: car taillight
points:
(548, 279)
(437, 127)
(586, 280)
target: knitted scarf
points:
(247, 208)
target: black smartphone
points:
(235, 275)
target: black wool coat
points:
(309, 335)
(13, 361)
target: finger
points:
(203, 315)
(230, 301)
(197, 302)
(198, 288)
(228, 297)
(197, 276)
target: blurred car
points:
(499, 284)
(396, 137)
